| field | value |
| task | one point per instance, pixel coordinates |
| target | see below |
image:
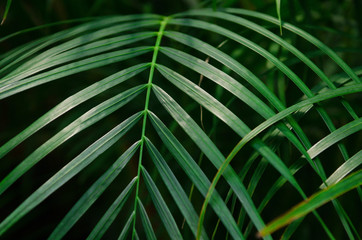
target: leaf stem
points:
(160, 33)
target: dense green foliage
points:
(208, 120)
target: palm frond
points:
(146, 70)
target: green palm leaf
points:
(161, 207)
(126, 228)
(71, 169)
(254, 138)
(92, 194)
(150, 234)
(107, 219)
(195, 174)
(315, 201)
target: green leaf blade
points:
(175, 188)
(7, 8)
(335, 136)
(196, 175)
(161, 207)
(348, 166)
(92, 194)
(112, 212)
(150, 234)
(84, 121)
(210, 150)
(7, 90)
(126, 227)
(314, 202)
(67, 172)
(73, 54)
(304, 35)
(70, 103)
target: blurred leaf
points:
(313, 202)
(278, 3)
(7, 8)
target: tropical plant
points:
(154, 110)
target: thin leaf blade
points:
(112, 212)
(67, 172)
(315, 201)
(161, 207)
(92, 194)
